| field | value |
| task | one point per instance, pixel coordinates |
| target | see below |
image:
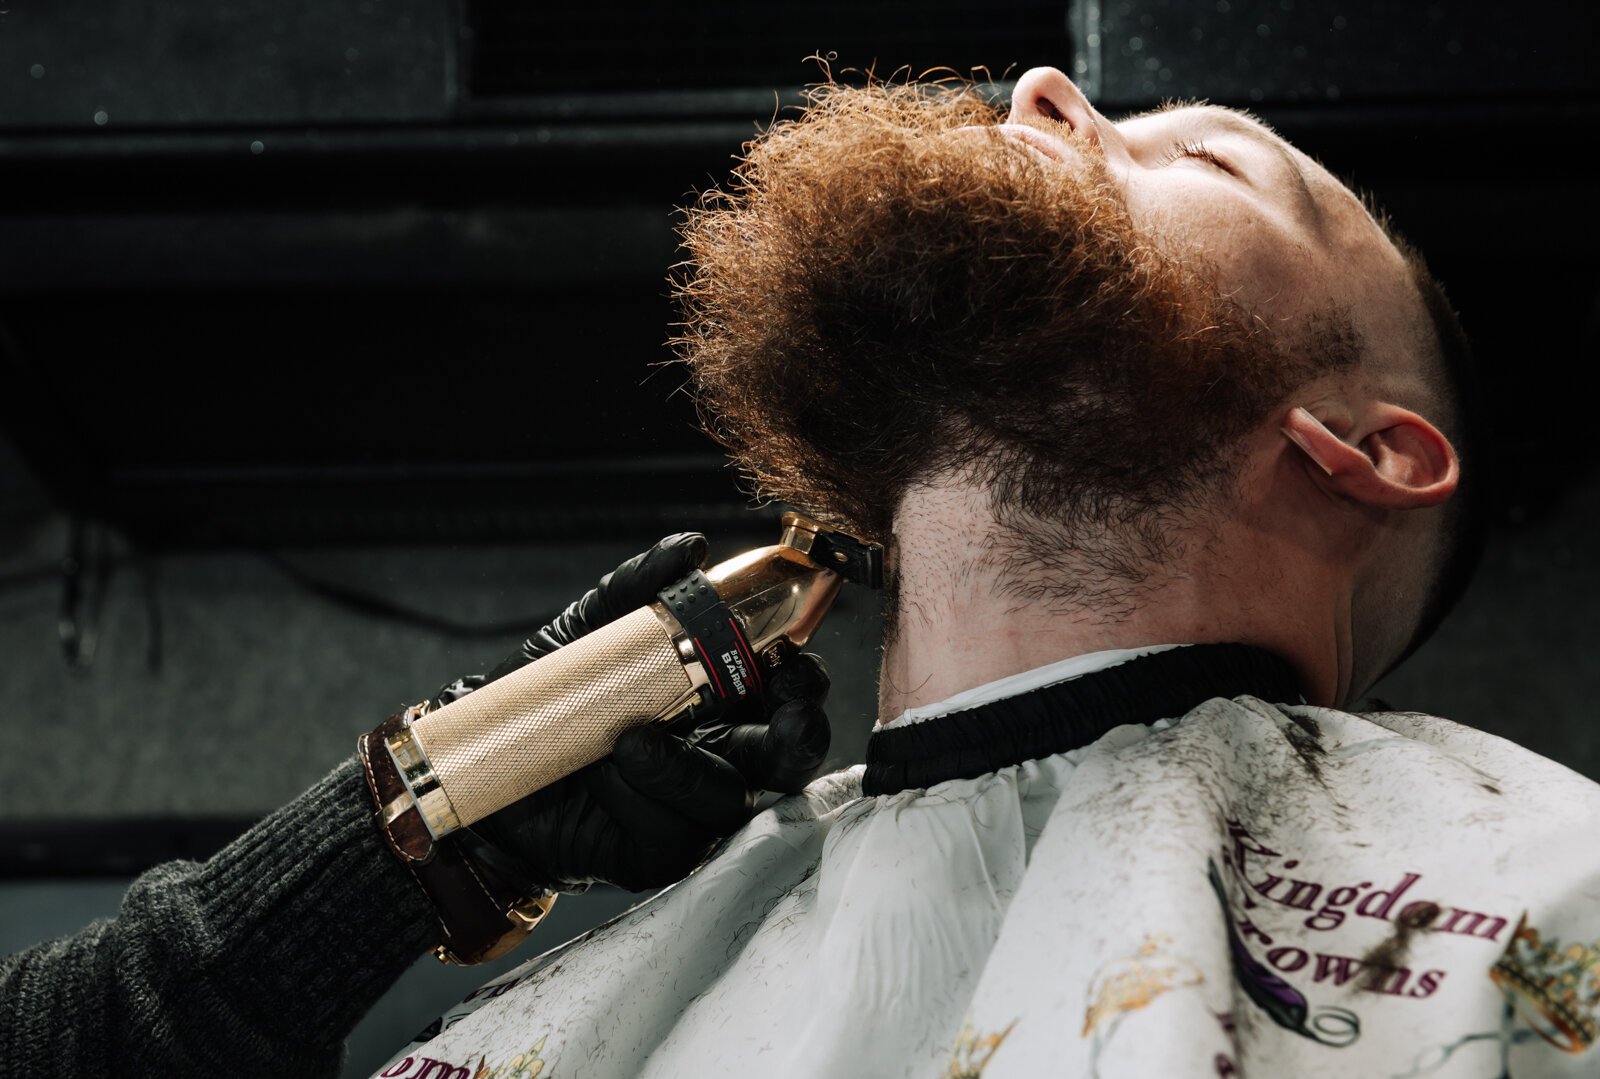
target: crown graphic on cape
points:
(1556, 988)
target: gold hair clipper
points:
(701, 640)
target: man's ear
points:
(1391, 458)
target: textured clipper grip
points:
(526, 730)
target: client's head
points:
(1106, 329)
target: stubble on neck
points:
(964, 611)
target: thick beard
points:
(877, 301)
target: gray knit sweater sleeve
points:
(258, 961)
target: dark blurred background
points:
(331, 347)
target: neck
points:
(964, 618)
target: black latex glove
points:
(647, 814)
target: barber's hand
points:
(647, 814)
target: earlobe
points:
(1392, 458)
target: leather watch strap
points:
(480, 916)
(401, 819)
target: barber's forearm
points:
(49, 993)
(262, 958)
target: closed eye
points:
(1191, 148)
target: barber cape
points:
(1148, 870)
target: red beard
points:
(878, 299)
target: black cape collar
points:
(1056, 718)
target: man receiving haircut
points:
(1172, 445)
(1173, 448)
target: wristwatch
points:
(481, 916)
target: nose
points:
(1047, 92)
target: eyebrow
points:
(1211, 117)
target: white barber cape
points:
(1248, 888)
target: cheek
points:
(1254, 256)
(1273, 273)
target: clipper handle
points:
(546, 720)
(524, 731)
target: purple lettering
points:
(1395, 976)
(441, 1069)
(400, 1068)
(1288, 959)
(1369, 908)
(1244, 843)
(1264, 888)
(1473, 920)
(1427, 984)
(1339, 968)
(1302, 894)
(1331, 916)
